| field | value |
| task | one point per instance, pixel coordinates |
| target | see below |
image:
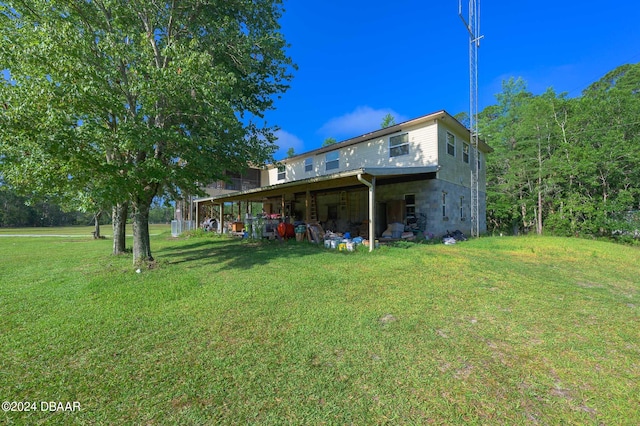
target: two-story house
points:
(417, 173)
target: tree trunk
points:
(539, 227)
(539, 218)
(141, 242)
(119, 217)
(96, 224)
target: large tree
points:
(499, 126)
(142, 96)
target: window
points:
(282, 172)
(451, 144)
(465, 152)
(399, 145)
(410, 205)
(332, 160)
(444, 204)
(462, 215)
(308, 164)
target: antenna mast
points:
(473, 27)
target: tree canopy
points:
(329, 141)
(132, 99)
(568, 166)
(387, 121)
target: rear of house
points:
(416, 173)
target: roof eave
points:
(372, 171)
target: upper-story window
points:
(399, 145)
(332, 160)
(308, 164)
(451, 144)
(282, 172)
(465, 152)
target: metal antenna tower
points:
(473, 27)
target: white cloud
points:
(363, 119)
(288, 140)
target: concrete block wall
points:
(428, 198)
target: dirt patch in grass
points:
(386, 319)
(587, 284)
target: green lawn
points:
(490, 331)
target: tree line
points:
(19, 211)
(565, 166)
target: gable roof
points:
(439, 115)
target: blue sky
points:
(361, 59)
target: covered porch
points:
(340, 202)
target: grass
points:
(490, 331)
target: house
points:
(417, 173)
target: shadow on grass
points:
(235, 254)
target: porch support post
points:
(221, 223)
(372, 210)
(307, 207)
(282, 212)
(196, 225)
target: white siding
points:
(269, 176)
(454, 169)
(423, 151)
(295, 170)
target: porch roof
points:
(332, 181)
